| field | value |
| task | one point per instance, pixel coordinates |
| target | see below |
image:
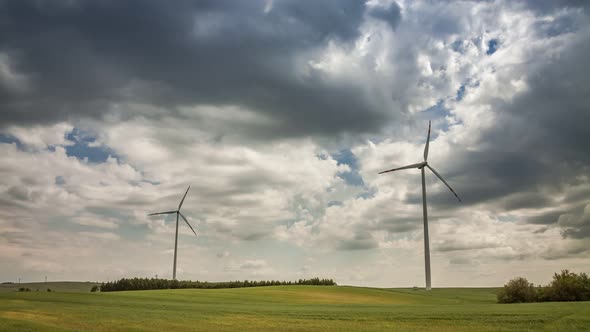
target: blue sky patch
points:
(507, 218)
(82, 150)
(456, 46)
(346, 157)
(335, 203)
(439, 109)
(460, 93)
(492, 46)
(367, 194)
(8, 139)
(557, 26)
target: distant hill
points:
(55, 286)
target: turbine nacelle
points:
(423, 164)
(177, 211)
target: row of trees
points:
(154, 283)
(565, 286)
(23, 289)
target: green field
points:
(286, 308)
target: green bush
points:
(565, 286)
(568, 286)
(518, 290)
(94, 289)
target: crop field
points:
(286, 308)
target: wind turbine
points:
(421, 167)
(178, 213)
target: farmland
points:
(291, 308)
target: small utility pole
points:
(46, 280)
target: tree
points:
(125, 284)
(94, 288)
(518, 290)
(569, 286)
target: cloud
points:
(11, 80)
(464, 245)
(252, 268)
(389, 12)
(198, 53)
(360, 241)
(42, 137)
(223, 254)
(576, 225)
(253, 264)
(99, 236)
(96, 221)
(280, 115)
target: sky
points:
(279, 115)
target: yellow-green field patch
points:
(285, 308)
(28, 315)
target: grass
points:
(286, 308)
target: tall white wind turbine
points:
(421, 167)
(178, 213)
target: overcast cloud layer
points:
(280, 114)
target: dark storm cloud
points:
(398, 224)
(577, 249)
(461, 261)
(18, 193)
(545, 218)
(581, 232)
(576, 223)
(248, 228)
(490, 175)
(81, 57)
(548, 6)
(541, 138)
(525, 200)
(452, 245)
(538, 146)
(380, 217)
(390, 14)
(361, 241)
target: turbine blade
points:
(445, 182)
(404, 167)
(167, 212)
(189, 225)
(427, 143)
(183, 197)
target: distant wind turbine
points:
(421, 167)
(178, 213)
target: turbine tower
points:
(178, 213)
(424, 210)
